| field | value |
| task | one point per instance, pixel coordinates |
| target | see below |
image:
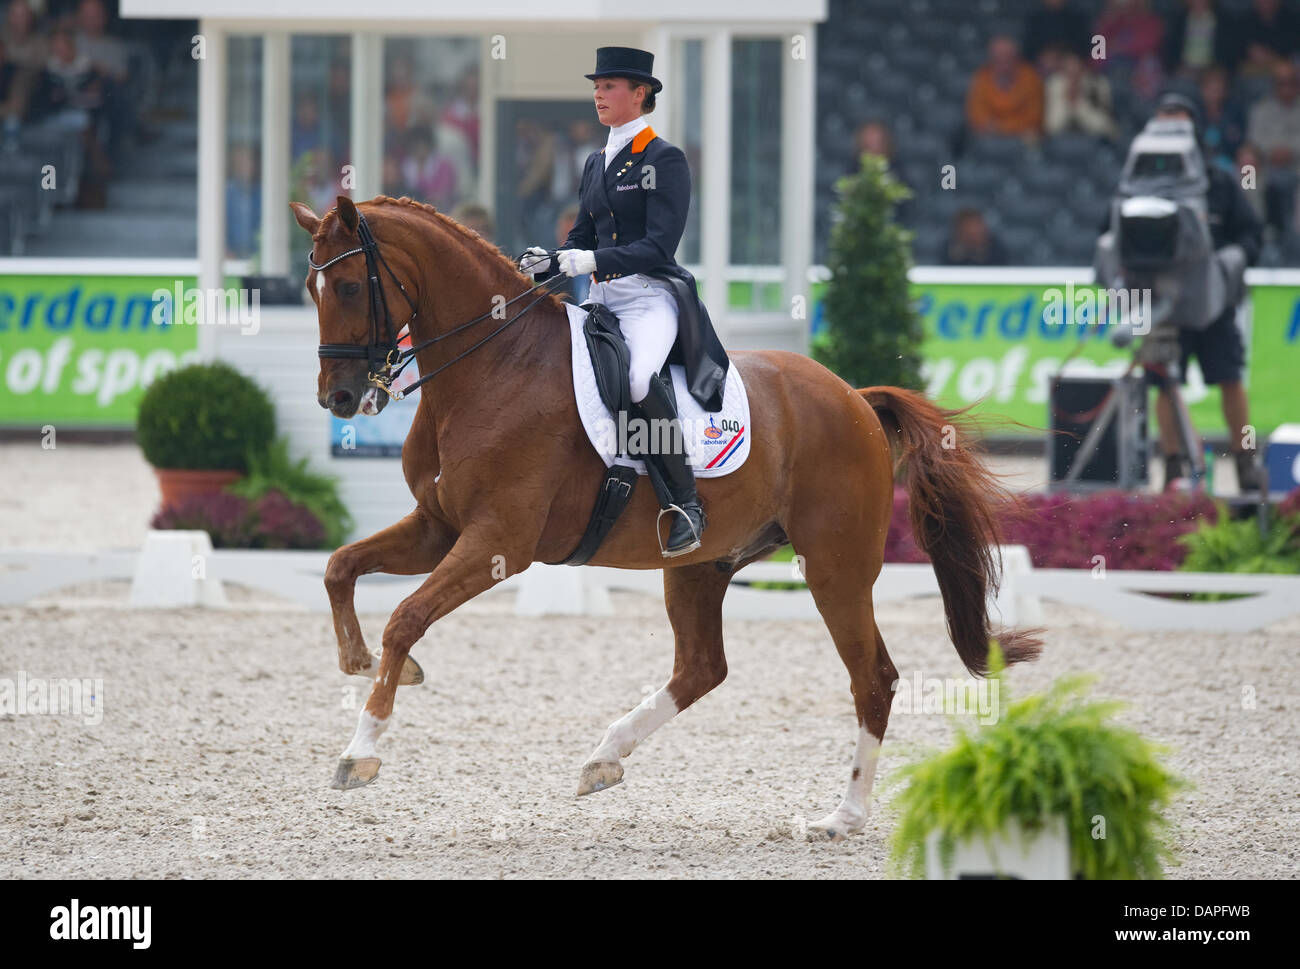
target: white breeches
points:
(647, 315)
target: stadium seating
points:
(909, 65)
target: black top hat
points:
(626, 62)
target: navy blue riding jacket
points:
(632, 215)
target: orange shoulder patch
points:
(643, 138)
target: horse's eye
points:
(351, 289)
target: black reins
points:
(385, 357)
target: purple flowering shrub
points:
(1132, 531)
(273, 521)
(283, 524)
(226, 519)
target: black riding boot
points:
(665, 434)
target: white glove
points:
(534, 260)
(577, 262)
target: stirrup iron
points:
(658, 533)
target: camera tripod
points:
(1159, 356)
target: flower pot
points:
(1012, 852)
(177, 484)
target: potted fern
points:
(274, 472)
(1053, 774)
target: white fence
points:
(180, 569)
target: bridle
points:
(383, 353)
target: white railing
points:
(177, 569)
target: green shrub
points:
(1239, 546)
(204, 417)
(1050, 754)
(873, 333)
(273, 470)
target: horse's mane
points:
(484, 248)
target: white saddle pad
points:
(716, 443)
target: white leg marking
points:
(369, 729)
(851, 816)
(624, 734)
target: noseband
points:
(386, 358)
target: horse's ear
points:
(308, 219)
(348, 213)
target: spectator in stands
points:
(243, 203)
(972, 242)
(1055, 28)
(28, 48)
(107, 54)
(571, 152)
(315, 179)
(1079, 100)
(1225, 121)
(404, 103)
(305, 133)
(1197, 37)
(536, 155)
(1275, 121)
(476, 217)
(1006, 94)
(68, 96)
(1275, 129)
(875, 138)
(1268, 32)
(1134, 40)
(70, 79)
(428, 173)
(14, 91)
(461, 111)
(110, 61)
(338, 103)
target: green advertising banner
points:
(78, 351)
(1001, 343)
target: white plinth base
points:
(1044, 857)
(560, 590)
(171, 572)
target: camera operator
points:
(1218, 348)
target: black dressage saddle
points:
(611, 358)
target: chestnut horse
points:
(503, 476)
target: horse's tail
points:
(952, 498)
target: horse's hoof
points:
(834, 827)
(412, 675)
(355, 773)
(598, 776)
(827, 832)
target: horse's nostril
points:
(340, 398)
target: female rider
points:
(632, 211)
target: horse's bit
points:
(386, 358)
